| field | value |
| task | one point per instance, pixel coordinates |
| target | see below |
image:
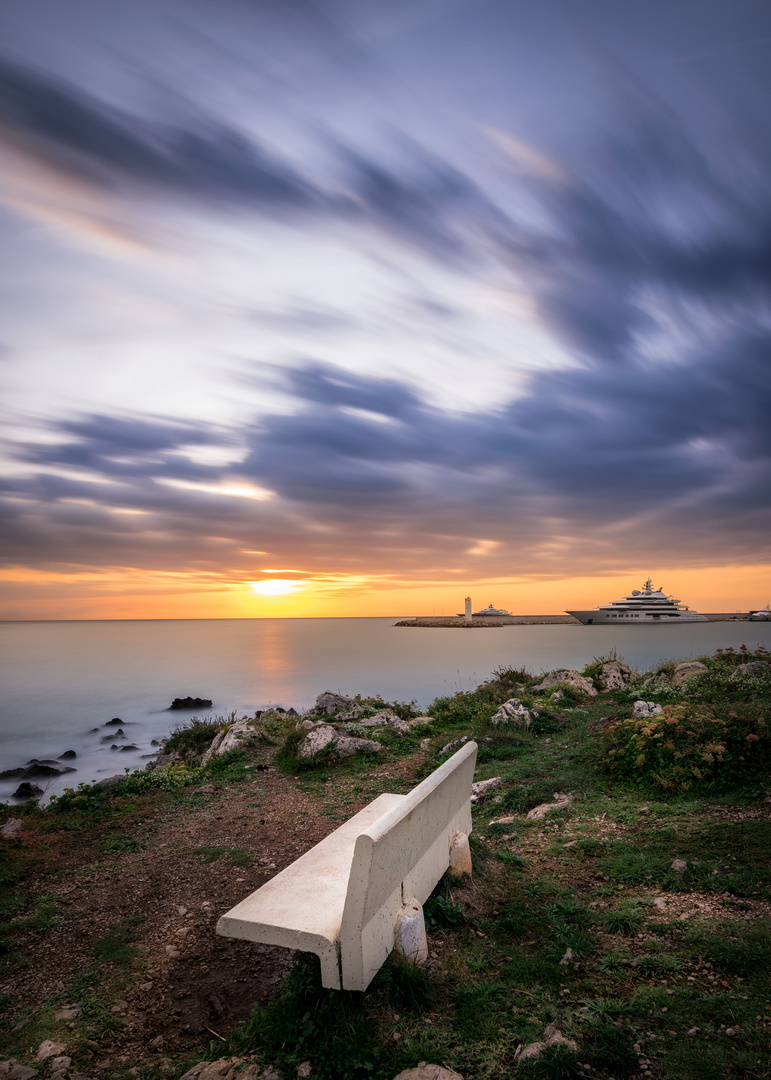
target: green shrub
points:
(196, 735)
(691, 746)
(439, 912)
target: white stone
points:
(48, 1049)
(428, 1072)
(482, 788)
(572, 678)
(341, 900)
(410, 936)
(12, 828)
(513, 712)
(641, 710)
(678, 865)
(538, 813)
(684, 672)
(62, 1062)
(460, 856)
(386, 719)
(615, 674)
(230, 739)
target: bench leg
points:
(410, 939)
(460, 855)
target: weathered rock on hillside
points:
(426, 1072)
(643, 709)
(386, 719)
(326, 737)
(757, 667)
(329, 704)
(615, 674)
(231, 738)
(684, 672)
(514, 712)
(538, 813)
(572, 678)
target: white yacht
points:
(488, 611)
(646, 605)
(763, 615)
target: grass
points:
(636, 979)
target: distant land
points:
(459, 621)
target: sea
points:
(62, 682)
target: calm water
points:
(61, 680)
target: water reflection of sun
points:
(275, 587)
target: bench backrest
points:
(400, 857)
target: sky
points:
(344, 308)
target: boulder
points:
(572, 678)
(48, 1049)
(552, 1036)
(482, 788)
(128, 746)
(43, 767)
(189, 703)
(615, 674)
(755, 667)
(538, 813)
(68, 755)
(225, 1069)
(386, 719)
(115, 722)
(27, 790)
(13, 828)
(110, 781)
(514, 712)
(340, 746)
(329, 704)
(119, 734)
(424, 1071)
(231, 738)
(11, 1070)
(643, 709)
(451, 747)
(679, 866)
(684, 672)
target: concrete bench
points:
(359, 893)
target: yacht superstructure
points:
(642, 606)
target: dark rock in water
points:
(129, 746)
(109, 781)
(35, 767)
(93, 731)
(119, 734)
(25, 790)
(68, 755)
(8, 774)
(154, 742)
(115, 722)
(292, 712)
(190, 703)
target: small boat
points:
(642, 606)
(762, 615)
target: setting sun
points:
(275, 587)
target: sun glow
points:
(275, 587)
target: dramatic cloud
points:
(396, 311)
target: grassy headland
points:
(636, 917)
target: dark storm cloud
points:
(424, 203)
(74, 132)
